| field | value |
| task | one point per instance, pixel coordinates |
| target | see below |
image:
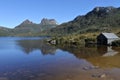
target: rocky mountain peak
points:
(104, 9)
(27, 22)
(101, 11)
(46, 21)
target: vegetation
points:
(28, 28)
(116, 43)
(100, 19)
(5, 31)
(75, 39)
(85, 27)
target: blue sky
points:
(13, 12)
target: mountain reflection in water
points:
(47, 62)
(103, 56)
(30, 45)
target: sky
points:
(14, 12)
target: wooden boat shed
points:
(106, 38)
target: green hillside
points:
(100, 19)
(5, 31)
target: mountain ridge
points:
(98, 19)
(28, 27)
(101, 19)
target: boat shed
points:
(106, 38)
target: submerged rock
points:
(90, 67)
(102, 76)
(99, 75)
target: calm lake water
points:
(31, 58)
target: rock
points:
(91, 67)
(104, 9)
(95, 67)
(46, 21)
(86, 68)
(99, 76)
(27, 22)
(52, 41)
(102, 76)
(95, 75)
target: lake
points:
(31, 58)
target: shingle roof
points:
(110, 35)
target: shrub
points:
(116, 43)
(89, 40)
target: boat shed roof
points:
(110, 35)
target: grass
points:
(79, 38)
(75, 39)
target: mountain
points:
(28, 27)
(5, 31)
(46, 21)
(99, 19)
(26, 22)
(48, 24)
